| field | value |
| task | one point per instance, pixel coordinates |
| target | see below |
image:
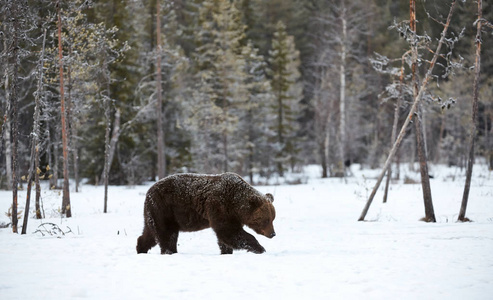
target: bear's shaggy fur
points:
(192, 202)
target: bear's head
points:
(263, 216)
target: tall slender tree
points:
(66, 208)
(423, 160)
(15, 11)
(161, 158)
(474, 108)
(34, 161)
(396, 121)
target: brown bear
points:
(192, 202)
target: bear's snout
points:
(270, 233)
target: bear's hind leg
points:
(146, 241)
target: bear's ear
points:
(270, 197)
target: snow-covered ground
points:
(321, 251)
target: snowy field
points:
(321, 251)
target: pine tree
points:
(287, 92)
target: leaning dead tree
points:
(412, 111)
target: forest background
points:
(250, 86)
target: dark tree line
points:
(255, 87)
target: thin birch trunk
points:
(342, 96)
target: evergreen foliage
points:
(248, 86)
(287, 93)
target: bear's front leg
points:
(237, 239)
(225, 249)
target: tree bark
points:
(35, 135)
(394, 126)
(15, 112)
(106, 152)
(423, 167)
(66, 209)
(417, 100)
(38, 186)
(7, 127)
(161, 159)
(107, 146)
(423, 163)
(342, 96)
(474, 120)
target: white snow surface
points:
(321, 251)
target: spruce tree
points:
(220, 92)
(287, 92)
(256, 117)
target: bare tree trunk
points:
(417, 100)
(49, 154)
(487, 140)
(38, 186)
(474, 121)
(394, 126)
(342, 96)
(112, 143)
(107, 113)
(75, 153)
(7, 128)
(66, 209)
(423, 167)
(7, 135)
(72, 129)
(15, 113)
(438, 153)
(106, 152)
(35, 135)
(423, 164)
(161, 159)
(114, 138)
(225, 136)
